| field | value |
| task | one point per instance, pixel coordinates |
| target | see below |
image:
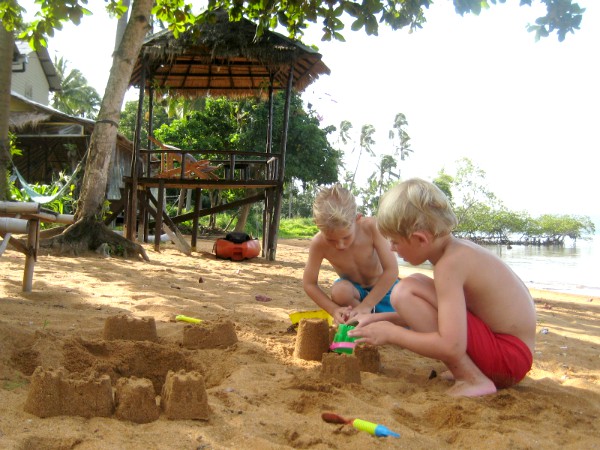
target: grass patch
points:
(298, 228)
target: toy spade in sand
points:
(182, 318)
(359, 424)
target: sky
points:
(477, 87)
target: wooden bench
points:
(24, 219)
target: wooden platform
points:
(169, 168)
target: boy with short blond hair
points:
(476, 315)
(358, 253)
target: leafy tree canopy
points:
(483, 218)
(562, 16)
(242, 125)
(75, 97)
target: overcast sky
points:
(480, 87)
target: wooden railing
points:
(215, 164)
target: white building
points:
(33, 73)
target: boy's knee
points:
(403, 290)
(343, 292)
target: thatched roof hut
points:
(221, 57)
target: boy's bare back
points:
(492, 291)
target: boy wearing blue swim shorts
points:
(360, 255)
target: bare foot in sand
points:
(446, 375)
(464, 389)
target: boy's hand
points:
(358, 310)
(360, 320)
(376, 333)
(341, 314)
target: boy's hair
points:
(334, 208)
(415, 205)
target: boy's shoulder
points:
(365, 223)
(457, 252)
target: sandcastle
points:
(59, 393)
(184, 396)
(368, 358)
(135, 400)
(216, 335)
(312, 339)
(340, 367)
(129, 328)
(55, 392)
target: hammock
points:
(43, 199)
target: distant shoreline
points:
(404, 271)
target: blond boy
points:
(475, 315)
(358, 253)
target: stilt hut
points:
(217, 57)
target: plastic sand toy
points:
(342, 343)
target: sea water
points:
(572, 268)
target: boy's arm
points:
(310, 280)
(389, 263)
(450, 340)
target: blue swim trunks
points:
(383, 306)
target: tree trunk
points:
(244, 212)
(6, 54)
(104, 137)
(89, 234)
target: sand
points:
(259, 395)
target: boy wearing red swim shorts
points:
(475, 315)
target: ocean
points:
(571, 269)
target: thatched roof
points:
(220, 57)
(48, 147)
(26, 115)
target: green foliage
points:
(309, 155)
(482, 218)
(127, 122)
(297, 228)
(216, 126)
(562, 16)
(298, 202)
(61, 205)
(242, 125)
(76, 97)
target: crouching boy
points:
(475, 315)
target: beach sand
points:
(259, 395)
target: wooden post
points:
(274, 231)
(197, 208)
(159, 210)
(131, 219)
(31, 255)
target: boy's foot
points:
(446, 375)
(464, 389)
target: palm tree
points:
(366, 141)
(386, 167)
(402, 148)
(344, 136)
(76, 97)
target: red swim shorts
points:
(503, 358)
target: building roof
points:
(23, 48)
(223, 57)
